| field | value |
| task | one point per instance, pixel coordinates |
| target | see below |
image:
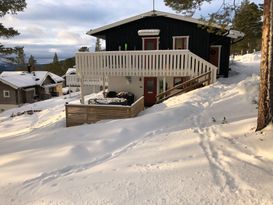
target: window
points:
(6, 93)
(180, 42)
(150, 43)
(150, 86)
(179, 80)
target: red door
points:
(214, 56)
(150, 90)
(150, 83)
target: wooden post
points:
(82, 86)
(164, 84)
(103, 84)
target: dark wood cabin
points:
(175, 32)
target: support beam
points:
(103, 84)
(82, 89)
(164, 84)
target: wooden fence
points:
(77, 114)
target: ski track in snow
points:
(219, 158)
(48, 177)
(219, 170)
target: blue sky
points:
(49, 26)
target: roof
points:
(164, 14)
(70, 71)
(149, 14)
(22, 79)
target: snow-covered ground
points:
(197, 148)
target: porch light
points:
(148, 32)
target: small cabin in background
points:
(19, 87)
(155, 51)
(72, 81)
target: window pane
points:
(150, 86)
(181, 43)
(177, 80)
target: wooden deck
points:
(78, 114)
(149, 63)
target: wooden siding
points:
(81, 114)
(13, 95)
(199, 39)
(48, 80)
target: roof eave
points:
(148, 14)
(9, 84)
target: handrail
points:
(184, 86)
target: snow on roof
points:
(70, 71)
(55, 77)
(153, 13)
(21, 79)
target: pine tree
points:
(98, 45)
(84, 49)
(265, 108)
(32, 62)
(9, 7)
(248, 20)
(55, 59)
(20, 58)
(55, 66)
(185, 5)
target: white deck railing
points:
(143, 63)
(74, 80)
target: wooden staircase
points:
(192, 84)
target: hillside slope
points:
(197, 148)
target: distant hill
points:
(6, 65)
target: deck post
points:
(164, 84)
(103, 83)
(82, 91)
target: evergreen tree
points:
(265, 108)
(248, 20)
(56, 66)
(32, 62)
(98, 45)
(20, 58)
(84, 49)
(55, 59)
(9, 7)
(185, 5)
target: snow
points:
(21, 79)
(70, 71)
(197, 148)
